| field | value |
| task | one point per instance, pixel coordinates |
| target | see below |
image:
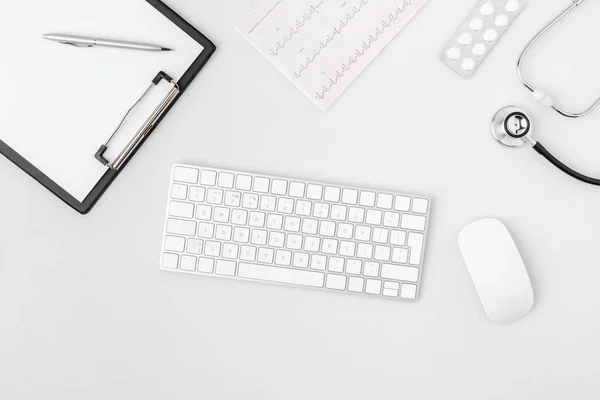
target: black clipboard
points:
(108, 178)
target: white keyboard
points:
(263, 228)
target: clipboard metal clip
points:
(145, 129)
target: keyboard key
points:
(212, 249)
(321, 210)
(345, 231)
(338, 212)
(400, 273)
(186, 175)
(310, 226)
(296, 189)
(402, 203)
(214, 196)
(356, 285)
(367, 199)
(257, 219)
(266, 255)
(415, 242)
(385, 201)
(221, 214)
(364, 250)
(398, 238)
(303, 208)
(197, 194)
(363, 233)
(203, 213)
(292, 224)
(336, 282)
(349, 196)
(314, 192)
(329, 246)
(353, 267)
(250, 201)
(268, 203)
(224, 232)
(294, 242)
(335, 264)
(170, 261)
(391, 219)
(208, 178)
(230, 251)
(371, 269)
(301, 260)
(276, 239)
(374, 217)
(318, 262)
(179, 192)
(400, 256)
(332, 194)
(285, 206)
(275, 221)
(408, 291)
(390, 292)
(233, 199)
(243, 182)
(356, 215)
(239, 217)
(182, 210)
(261, 185)
(181, 227)
(281, 275)
(380, 235)
(327, 228)
(420, 206)
(373, 286)
(248, 253)
(206, 230)
(173, 243)
(194, 246)
(206, 265)
(413, 222)
(226, 268)
(187, 263)
(382, 253)
(347, 249)
(312, 243)
(226, 180)
(283, 257)
(241, 235)
(279, 187)
(259, 237)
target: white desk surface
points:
(86, 313)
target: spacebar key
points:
(281, 275)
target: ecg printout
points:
(323, 45)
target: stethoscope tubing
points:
(560, 165)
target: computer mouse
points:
(497, 270)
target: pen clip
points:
(77, 45)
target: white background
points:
(85, 311)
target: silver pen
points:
(81, 41)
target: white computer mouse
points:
(497, 270)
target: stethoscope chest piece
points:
(513, 127)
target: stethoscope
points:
(513, 127)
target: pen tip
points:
(166, 49)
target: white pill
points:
(468, 64)
(476, 24)
(453, 53)
(487, 9)
(501, 20)
(465, 39)
(490, 35)
(479, 49)
(512, 5)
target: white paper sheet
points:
(60, 103)
(323, 45)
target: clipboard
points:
(133, 146)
